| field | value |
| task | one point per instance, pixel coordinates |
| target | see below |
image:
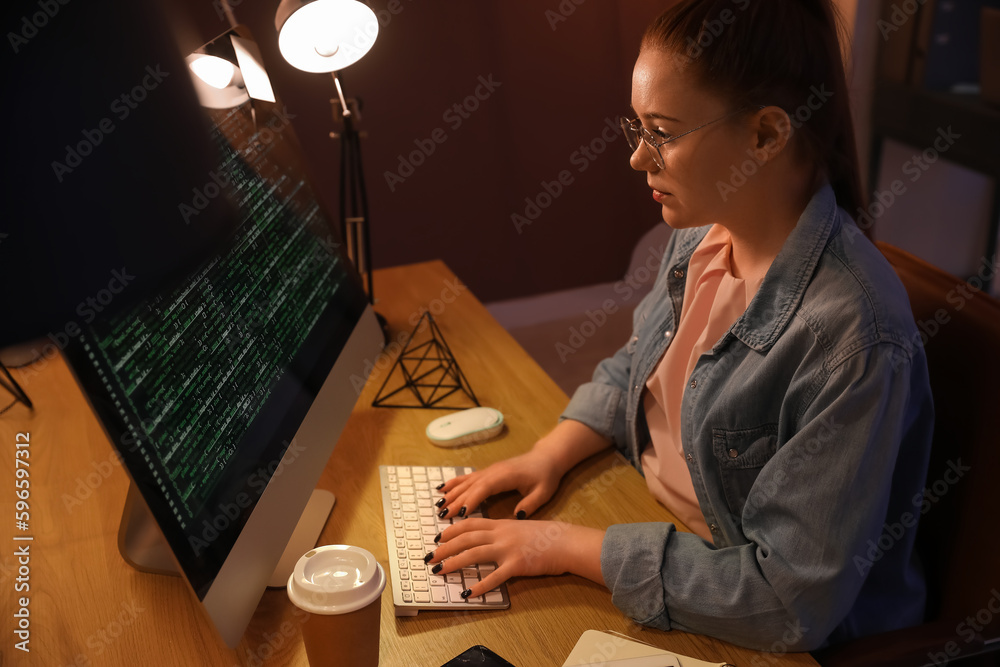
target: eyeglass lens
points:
(634, 137)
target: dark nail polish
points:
(439, 486)
(439, 503)
(437, 568)
(437, 538)
(443, 513)
(521, 514)
(461, 512)
(466, 593)
(428, 557)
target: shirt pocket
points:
(740, 454)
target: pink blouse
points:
(713, 301)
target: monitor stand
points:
(143, 546)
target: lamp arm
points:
(340, 93)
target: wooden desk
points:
(89, 608)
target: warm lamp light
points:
(229, 74)
(324, 35)
(213, 70)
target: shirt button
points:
(690, 458)
(678, 273)
(668, 334)
(712, 527)
(694, 383)
(733, 453)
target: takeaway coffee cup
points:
(341, 588)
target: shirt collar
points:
(786, 280)
(781, 291)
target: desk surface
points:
(87, 607)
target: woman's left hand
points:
(519, 548)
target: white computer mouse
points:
(467, 426)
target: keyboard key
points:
(420, 586)
(439, 594)
(453, 578)
(494, 597)
(455, 593)
(422, 598)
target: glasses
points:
(635, 134)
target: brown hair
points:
(769, 52)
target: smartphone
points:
(477, 656)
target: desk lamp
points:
(228, 72)
(326, 36)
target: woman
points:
(771, 393)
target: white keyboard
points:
(411, 523)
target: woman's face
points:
(693, 187)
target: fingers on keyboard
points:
(489, 587)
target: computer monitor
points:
(225, 392)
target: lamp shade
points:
(324, 35)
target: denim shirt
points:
(807, 432)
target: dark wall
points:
(557, 77)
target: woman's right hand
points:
(534, 474)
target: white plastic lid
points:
(335, 579)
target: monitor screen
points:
(205, 387)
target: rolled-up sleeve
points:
(601, 403)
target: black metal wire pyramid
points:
(425, 371)
(19, 394)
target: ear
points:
(773, 128)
